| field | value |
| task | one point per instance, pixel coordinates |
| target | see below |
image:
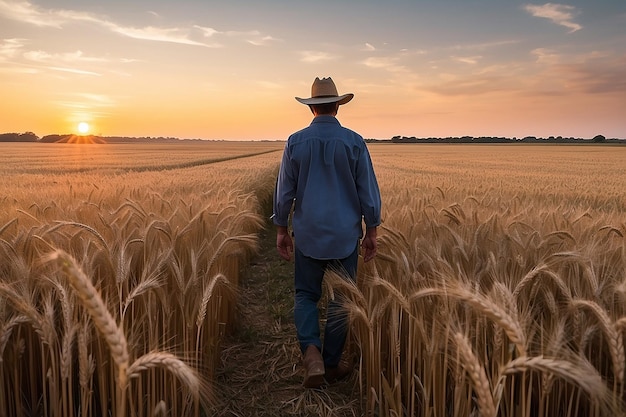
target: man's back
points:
(328, 163)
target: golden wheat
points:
(478, 242)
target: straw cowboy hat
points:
(324, 91)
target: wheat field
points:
(499, 288)
(117, 283)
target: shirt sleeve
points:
(285, 190)
(367, 188)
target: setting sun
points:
(83, 127)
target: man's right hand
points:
(369, 244)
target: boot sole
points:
(314, 381)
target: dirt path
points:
(261, 373)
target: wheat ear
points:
(160, 410)
(170, 362)
(583, 375)
(89, 296)
(613, 335)
(485, 306)
(477, 374)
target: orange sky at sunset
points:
(230, 70)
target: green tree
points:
(599, 138)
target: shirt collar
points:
(325, 119)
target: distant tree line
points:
(18, 137)
(31, 137)
(70, 138)
(494, 139)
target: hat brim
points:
(343, 99)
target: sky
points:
(229, 70)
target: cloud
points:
(561, 14)
(26, 12)
(269, 85)
(471, 85)
(594, 74)
(315, 56)
(206, 32)
(100, 99)
(75, 71)
(545, 56)
(484, 45)
(472, 60)
(95, 105)
(369, 47)
(600, 76)
(78, 56)
(150, 33)
(387, 63)
(253, 37)
(262, 41)
(10, 47)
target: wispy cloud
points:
(599, 76)
(75, 71)
(561, 14)
(206, 31)
(545, 56)
(150, 33)
(73, 57)
(18, 69)
(84, 101)
(262, 40)
(484, 45)
(472, 85)
(472, 60)
(369, 47)
(315, 56)
(594, 73)
(269, 85)
(26, 12)
(387, 63)
(100, 99)
(10, 47)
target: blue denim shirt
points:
(327, 174)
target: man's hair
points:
(326, 108)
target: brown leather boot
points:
(341, 371)
(313, 367)
(344, 368)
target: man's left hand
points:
(284, 243)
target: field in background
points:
(117, 284)
(499, 287)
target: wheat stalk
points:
(104, 322)
(613, 335)
(477, 374)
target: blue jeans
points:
(309, 274)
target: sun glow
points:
(83, 127)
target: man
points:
(326, 176)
